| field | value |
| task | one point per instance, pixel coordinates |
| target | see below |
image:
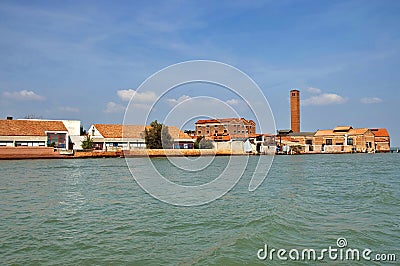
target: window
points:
(208, 125)
(225, 131)
(293, 94)
(20, 143)
(56, 140)
(216, 131)
(349, 141)
(215, 125)
(199, 132)
(328, 141)
(234, 132)
(309, 141)
(208, 132)
(6, 143)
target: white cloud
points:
(139, 105)
(146, 96)
(324, 99)
(23, 95)
(314, 90)
(113, 107)
(233, 102)
(179, 100)
(371, 100)
(68, 109)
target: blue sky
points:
(82, 59)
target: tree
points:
(206, 144)
(157, 136)
(196, 143)
(87, 143)
(202, 143)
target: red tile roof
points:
(342, 128)
(380, 132)
(331, 132)
(116, 131)
(206, 121)
(134, 131)
(29, 127)
(224, 120)
(223, 138)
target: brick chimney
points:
(295, 110)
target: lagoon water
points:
(92, 212)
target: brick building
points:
(304, 140)
(225, 129)
(341, 139)
(382, 139)
(344, 139)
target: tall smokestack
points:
(295, 110)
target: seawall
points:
(29, 153)
(49, 153)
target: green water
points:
(92, 212)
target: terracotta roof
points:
(176, 133)
(134, 131)
(29, 127)
(357, 131)
(323, 132)
(115, 130)
(342, 128)
(224, 120)
(380, 132)
(331, 132)
(206, 121)
(251, 135)
(301, 134)
(223, 138)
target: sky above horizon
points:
(85, 59)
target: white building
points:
(33, 133)
(126, 137)
(74, 132)
(31, 130)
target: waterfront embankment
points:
(7, 153)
